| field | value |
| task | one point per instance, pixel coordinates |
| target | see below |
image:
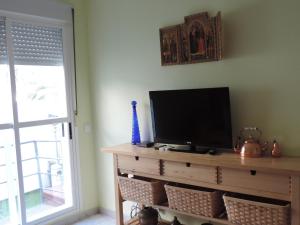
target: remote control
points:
(212, 152)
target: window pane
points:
(46, 169)
(40, 92)
(39, 70)
(5, 94)
(8, 180)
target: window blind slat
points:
(37, 45)
(3, 50)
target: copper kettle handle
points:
(250, 131)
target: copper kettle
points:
(148, 216)
(251, 147)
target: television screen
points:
(196, 117)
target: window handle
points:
(62, 129)
(70, 131)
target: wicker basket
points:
(250, 210)
(194, 200)
(142, 190)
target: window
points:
(37, 174)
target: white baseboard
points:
(107, 212)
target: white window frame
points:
(69, 69)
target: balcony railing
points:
(47, 168)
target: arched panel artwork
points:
(197, 40)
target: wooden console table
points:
(277, 178)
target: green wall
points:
(261, 67)
(87, 154)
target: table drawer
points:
(256, 180)
(136, 164)
(190, 171)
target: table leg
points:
(295, 200)
(118, 197)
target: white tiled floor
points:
(98, 219)
(103, 219)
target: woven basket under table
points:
(145, 191)
(245, 210)
(201, 202)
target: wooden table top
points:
(286, 165)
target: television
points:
(192, 119)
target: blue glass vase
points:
(136, 139)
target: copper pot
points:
(148, 216)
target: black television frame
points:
(189, 146)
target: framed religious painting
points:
(203, 35)
(170, 45)
(198, 39)
(184, 51)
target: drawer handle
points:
(188, 164)
(137, 158)
(253, 172)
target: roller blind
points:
(3, 50)
(51, 9)
(37, 45)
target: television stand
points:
(276, 178)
